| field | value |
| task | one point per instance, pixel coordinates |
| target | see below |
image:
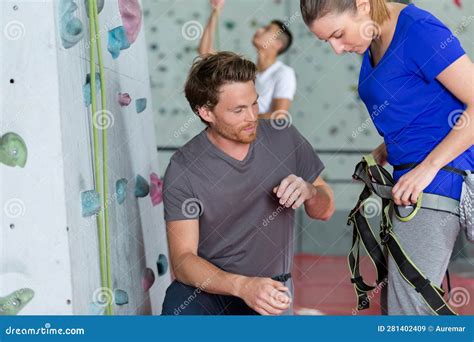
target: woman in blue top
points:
(416, 70)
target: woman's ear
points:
(363, 7)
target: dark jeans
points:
(181, 299)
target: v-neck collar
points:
(227, 157)
(397, 27)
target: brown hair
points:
(210, 72)
(315, 9)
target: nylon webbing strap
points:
(375, 178)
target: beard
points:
(236, 134)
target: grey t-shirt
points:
(242, 227)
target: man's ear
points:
(206, 114)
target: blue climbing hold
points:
(70, 27)
(142, 189)
(121, 297)
(140, 104)
(86, 89)
(90, 203)
(121, 190)
(162, 264)
(117, 41)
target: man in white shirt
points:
(276, 81)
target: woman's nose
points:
(337, 47)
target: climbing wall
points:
(49, 246)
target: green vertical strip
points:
(105, 176)
(97, 174)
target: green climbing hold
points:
(230, 25)
(13, 151)
(162, 264)
(121, 297)
(16, 301)
(142, 189)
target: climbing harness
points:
(466, 205)
(378, 181)
(101, 185)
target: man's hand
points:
(294, 191)
(264, 295)
(218, 4)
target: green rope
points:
(102, 188)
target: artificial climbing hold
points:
(96, 309)
(156, 190)
(142, 189)
(148, 278)
(16, 301)
(100, 6)
(117, 41)
(162, 264)
(121, 297)
(13, 151)
(131, 18)
(71, 28)
(86, 88)
(121, 190)
(124, 99)
(90, 203)
(140, 105)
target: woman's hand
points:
(410, 185)
(380, 155)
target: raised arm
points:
(206, 45)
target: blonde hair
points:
(379, 11)
(315, 9)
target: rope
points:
(102, 187)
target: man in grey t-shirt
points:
(230, 195)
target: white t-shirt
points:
(276, 82)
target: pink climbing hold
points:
(148, 278)
(124, 99)
(156, 191)
(131, 18)
(458, 3)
